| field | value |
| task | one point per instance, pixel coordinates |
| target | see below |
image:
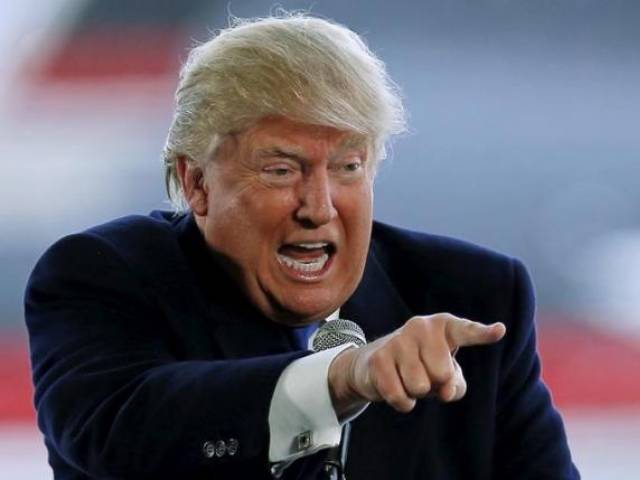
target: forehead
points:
(298, 136)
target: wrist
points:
(344, 397)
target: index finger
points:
(461, 332)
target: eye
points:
(353, 166)
(350, 166)
(279, 171)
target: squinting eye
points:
(279, 172)
(352, 164)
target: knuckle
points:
(420, 388)
(416, 322)
(397, 344)
(413, 321)
(420, 326)
(446, 317)
(405, 353)
(443, 374)
(439, 321)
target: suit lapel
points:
(235, 325)
(245, 332)
(376, 305)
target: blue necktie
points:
(300, 336)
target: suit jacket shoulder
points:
(507, 416)
(133, 366)
(441, 273)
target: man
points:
(167, 346)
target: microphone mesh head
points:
(338, 332)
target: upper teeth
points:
(311, 246)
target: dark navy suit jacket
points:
(143, 350)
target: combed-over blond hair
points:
(293, 65)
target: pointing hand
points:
(415, 360)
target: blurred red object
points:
(589, 368)
(102, 55)
(584, 367)
(16, 395)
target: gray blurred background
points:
(524, 123)
(524, 137)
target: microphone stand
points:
(334, 464)
(333, 333)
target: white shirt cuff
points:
(302, 420)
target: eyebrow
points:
(281, 152)
(297, 154)
(353, 141)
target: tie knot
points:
(300, 336)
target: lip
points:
(307, 277)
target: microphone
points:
(332, 334)
(338, 332)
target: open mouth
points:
(306, 258)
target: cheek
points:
(356, 212)
(270, 214)
(357, 208)
(229, 225)
(252, 221)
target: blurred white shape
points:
(573, 216)
(61, 174)
(604, 443)
(608, 270)
(22, 453)
(23, 28)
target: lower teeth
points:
(305, 267)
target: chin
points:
(295, 304)
(300, 317)
(302, 313)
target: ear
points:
(192, 180)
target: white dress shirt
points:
(302, 420)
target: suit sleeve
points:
(531, 441)
(113, 399)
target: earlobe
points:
(193, 185)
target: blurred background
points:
(524, 138)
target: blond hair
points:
(303, 68)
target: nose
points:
(316, 202)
